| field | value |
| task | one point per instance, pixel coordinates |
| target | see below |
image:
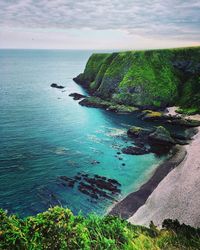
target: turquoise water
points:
(45, 134)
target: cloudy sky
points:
(99, 24)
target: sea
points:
(45, 134)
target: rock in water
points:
(77, 96)
(55, 85)
(135, 150)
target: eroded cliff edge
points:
(151, 78)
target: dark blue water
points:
(45, 134)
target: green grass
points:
(58, 228)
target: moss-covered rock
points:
(122, 108)
(138, 132)
(161, 136)
(94, 102)
(97, 102)
(150, 115)
(153, 78)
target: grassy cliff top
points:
(157, 78)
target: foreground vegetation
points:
(58, 228)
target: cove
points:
(45, 134)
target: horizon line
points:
(106, 49)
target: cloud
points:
(172, 19)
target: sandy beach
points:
(177, 196)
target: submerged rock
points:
(161, 136)
(77, 96)
(135, 150)
(95, 186)
(94, 162)
(55, 85)
(67, 181)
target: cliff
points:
(151, 78)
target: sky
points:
(99, 24)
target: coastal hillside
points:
(151, 78)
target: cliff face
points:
(146, 78)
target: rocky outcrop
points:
(94, 102)
(97, 102)
(157, 140)
(138, 132)
(161, 136)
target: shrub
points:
(58, 228)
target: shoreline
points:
(133, 201)
(177, 195)
(168, 193)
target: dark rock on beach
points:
(55, 85)
(77, 96)
(184, 122)
(150, 115)
(159, 139)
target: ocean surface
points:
(45, 134)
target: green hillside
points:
(156, 78)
